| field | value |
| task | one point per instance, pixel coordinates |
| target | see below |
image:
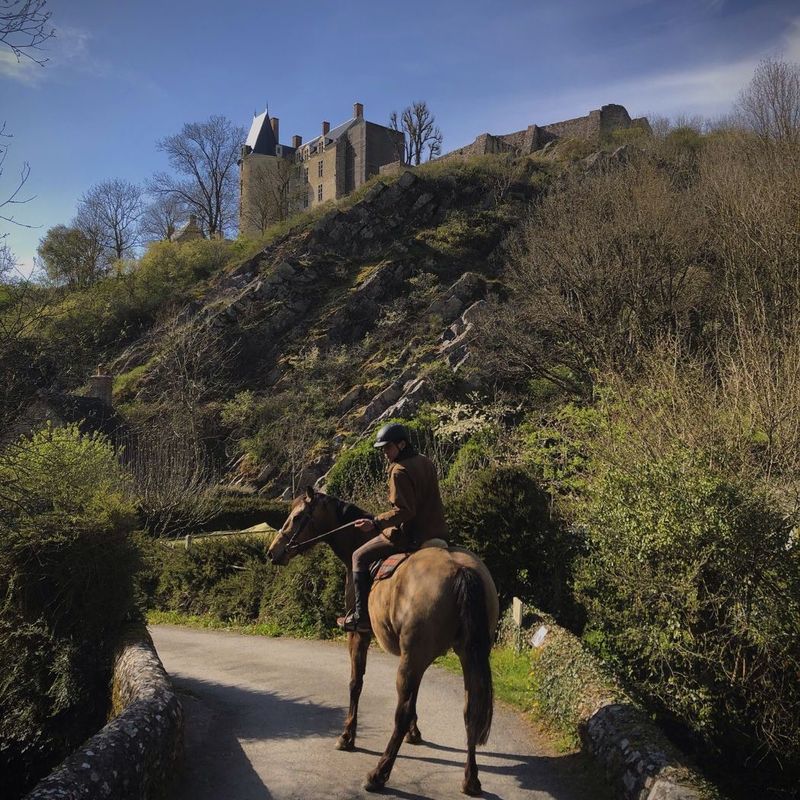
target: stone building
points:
(595, 126)
(188, 231)
(276, 179)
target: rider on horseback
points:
(416, 515)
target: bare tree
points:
(205, 154)
(422, 137)
(172, 480)
(110, 212)
(13, 197)
(25, 27)
(162, 218)
(273, 192)
(770, 104)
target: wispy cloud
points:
(68, 51)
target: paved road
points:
(262, 716)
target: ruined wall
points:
(382, 146)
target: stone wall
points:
(594, 126)
(576, 694)
(135, 755)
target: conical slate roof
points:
(261, 138)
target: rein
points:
(297, 546)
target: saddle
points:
(386, 567)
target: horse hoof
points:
(373, 783)
(414, 738)
(472, 787)
(344, 743)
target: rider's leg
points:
(376, 548)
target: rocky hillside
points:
(390, 285)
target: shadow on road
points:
(219, 716)
(559, 776)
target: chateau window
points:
(319, 193)
(319, 170)
(305, 174)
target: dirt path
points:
(262, 716)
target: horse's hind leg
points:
(471, 784)
(414, 736)
(408, 680)
(358, 644)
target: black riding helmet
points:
(393, 433)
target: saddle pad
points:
(386, 568)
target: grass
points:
(510, 674)
(209, 622)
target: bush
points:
(66, 566)
(504, 517)
(692, 588)
(230, 579)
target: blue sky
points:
(124, 73)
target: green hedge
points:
(231, 579)
(67, 565)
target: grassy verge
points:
(209, 622)
(513, 684)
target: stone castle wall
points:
(594, 126)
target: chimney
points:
(297, 141)
(100, 387)
(275, 121)
(358, 110)
(326, 126)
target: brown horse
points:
(438, 599)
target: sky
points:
(122, 74)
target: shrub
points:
(692, 588)
(504, 517)
(66, 567)
(230, 579)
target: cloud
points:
(68, 51)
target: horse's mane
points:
(346, 512)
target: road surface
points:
(262, 717)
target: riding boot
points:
(359, 619)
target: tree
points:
(421, 134)
(24, 27)
(273, 191)
(206, 154)
(770, 104)
(161, 218)
(109, 212)
(70, 257)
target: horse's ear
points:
(309, 493)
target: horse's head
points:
(308, 518)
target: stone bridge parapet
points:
(134, 756)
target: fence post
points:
(187, 542)
(517, 610)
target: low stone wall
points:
(577, 695)
(134, 756)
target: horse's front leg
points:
(358, 643)
(408, 680)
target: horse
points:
(436, 600)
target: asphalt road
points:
(262, 717)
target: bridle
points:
(309, 520)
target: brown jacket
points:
(417, 513)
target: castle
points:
(276, 180)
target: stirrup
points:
(352, 623)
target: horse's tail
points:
(474, 635)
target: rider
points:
(416, 515)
